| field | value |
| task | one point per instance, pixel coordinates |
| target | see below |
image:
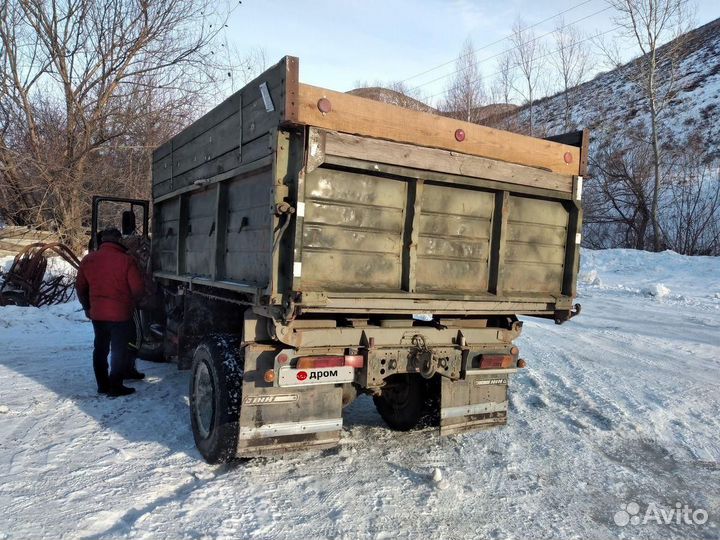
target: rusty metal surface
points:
(25, 283)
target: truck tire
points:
(215, 397)
(407, 402)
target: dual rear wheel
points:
(408, 401)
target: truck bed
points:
(300, 198)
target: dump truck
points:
(310, 246)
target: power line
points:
(543, 56)
(496, 42)
(508, 49)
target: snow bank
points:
(665, 275)
(658, 290)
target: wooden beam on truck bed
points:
(581, 139)
(359, 116)
(330, 143)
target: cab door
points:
(130, 216)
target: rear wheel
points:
(407, 402)
(215, 397)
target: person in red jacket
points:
(108, 285)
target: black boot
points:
(120, 390)
(117, 388)
(132, 373)
(103, 381)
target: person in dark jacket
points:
(108, 285)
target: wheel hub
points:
(204, 400)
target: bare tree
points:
(502, 85)
(466, 94)
(690, 215)
(651, 23)
(501, 94)
(241, 67)
(618, 194)
(608, 50)
(570, 63)
(526, 54)
(87, 88)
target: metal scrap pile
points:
(25, 283)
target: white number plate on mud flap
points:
(305, 377)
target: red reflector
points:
(324, 105)
(496, 361)
(356, 360)
(309, 362)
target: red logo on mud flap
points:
(301, 375)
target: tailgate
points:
(383, 227)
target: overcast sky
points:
(340, 42)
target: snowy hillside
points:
(618, 406)
(611, 102)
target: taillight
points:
(497, 361)
(309, 362)
(354, 360)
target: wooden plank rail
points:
(445, 161)
(360, 116)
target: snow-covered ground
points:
(620, 405)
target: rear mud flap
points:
(477, 402)
(274, 420)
